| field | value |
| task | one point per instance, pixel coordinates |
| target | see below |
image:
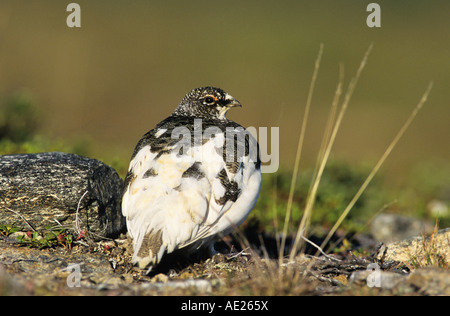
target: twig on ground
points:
(320, 249)
(242, 252)
(22, 217)
(77, 222)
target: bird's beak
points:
(232, 102)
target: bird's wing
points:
(232, 166)
(163, 206)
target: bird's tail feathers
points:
(148, 249)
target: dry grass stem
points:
(313, 192)
(379, 164)
(77, 219)
(22, 217)
(299, 152)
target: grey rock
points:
(418, 251)
(10, 286)
(430, 281)
(377, 278)
(394, 227)
(199, 285)
(48, 188)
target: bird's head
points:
(206, 102)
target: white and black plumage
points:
(195, 176)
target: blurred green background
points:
(97, 89)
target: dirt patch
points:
(104, 268)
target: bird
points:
(191, 180)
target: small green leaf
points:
(50, 236)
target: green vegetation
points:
(20, 123)
(99, 89)
(20, 133)
(339, 183)
(50, 237)
(268, 69)
(9, 229)
(19, 117)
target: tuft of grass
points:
(339, 182)
(432, 253)
(379, 163)
(282, 276)
(299, 150)
(327, 145)
(298, 206)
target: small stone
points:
(160, 278)
(186, 275)
(394, 227)
(380, 279)
(341, 279)
(431, 281)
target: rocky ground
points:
(68, 209)
(413, 267)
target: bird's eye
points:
(210, 100)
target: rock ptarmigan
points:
(192, 178)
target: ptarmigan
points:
(192, 178)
